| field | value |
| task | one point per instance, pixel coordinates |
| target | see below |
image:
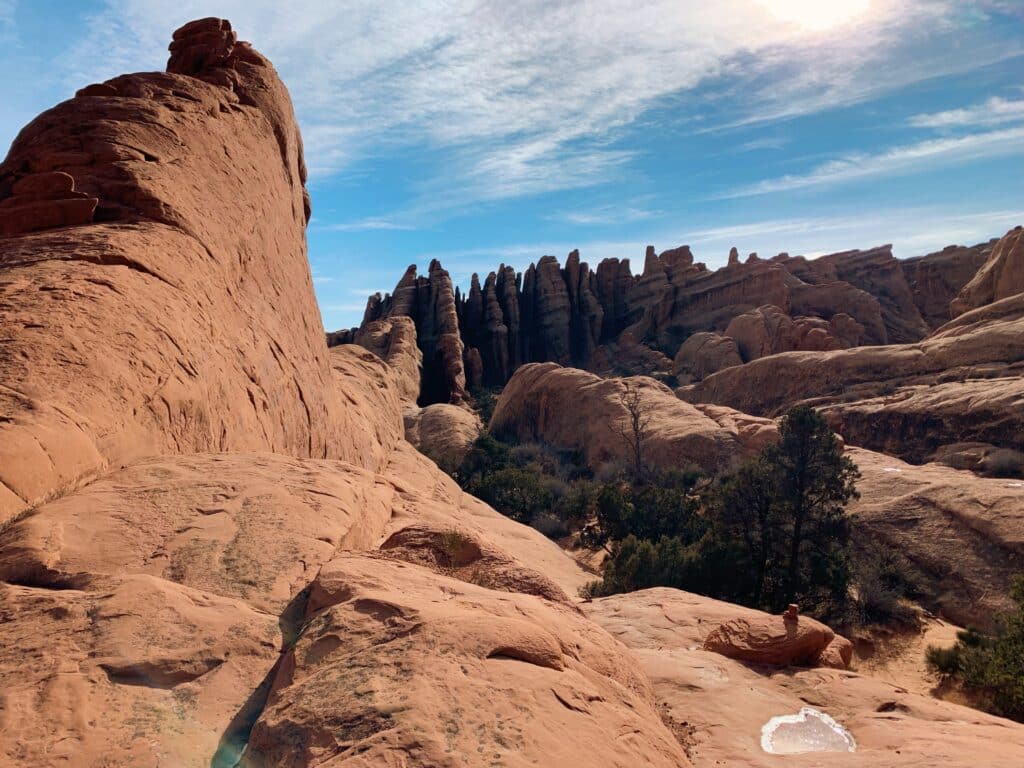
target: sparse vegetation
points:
(883, 580)
(990, 666)
(486, 398)
(634, 432)
(528, 483)
(773, 531)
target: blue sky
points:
(485, 132)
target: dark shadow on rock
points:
(231, 748)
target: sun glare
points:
(817, 15)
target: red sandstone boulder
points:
(777, 640)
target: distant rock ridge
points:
(602, 319)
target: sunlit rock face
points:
(807, 731)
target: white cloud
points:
(363, 225)
(605, 215)
(994, 111)
(522, 97)
(904, 159)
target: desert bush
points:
(641, 563)
(884, 580)
(990, 666)
(649, 507)
(783, 516)
(486, 398)
(518, 493)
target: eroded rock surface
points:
(148, 328)
(614, 322)
(218, 548)
(572, 410)
(963, 383)
(1001, 276)
(717, 705)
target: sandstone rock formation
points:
(963, 534)
(394, 341)
(442, 431)
(717, 705)
(430, 302)
(613, 322)
(1001, 276)
(783, 641)
(962, 384)
(936, 279)
(385, 666)
(219, 549)
(195, 361)
(194, 457)
(768, 330)
(703, 354)
(572, 410)
(878, 273)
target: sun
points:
(818, 15)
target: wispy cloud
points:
(994, 111)
(363, 225)
(523, 98)
(605, 215)
(903, 159)
(768, 142)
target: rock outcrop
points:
(442, 431)
(144, 330)
(936, 279)
(414, 680)
(430, 302)
(599, 320)
(218, 548)
(784, 641)
(544, 402)
(768, 331)
(717, 706)
(394, 341)
(928, 513)
(1001, 276)
(189, 475)
(962, 384)
(878, 273)
(703, 354)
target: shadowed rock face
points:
(962, 384)
(936, 279)
(597, 319)
(1001, 276)
(430, 302)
